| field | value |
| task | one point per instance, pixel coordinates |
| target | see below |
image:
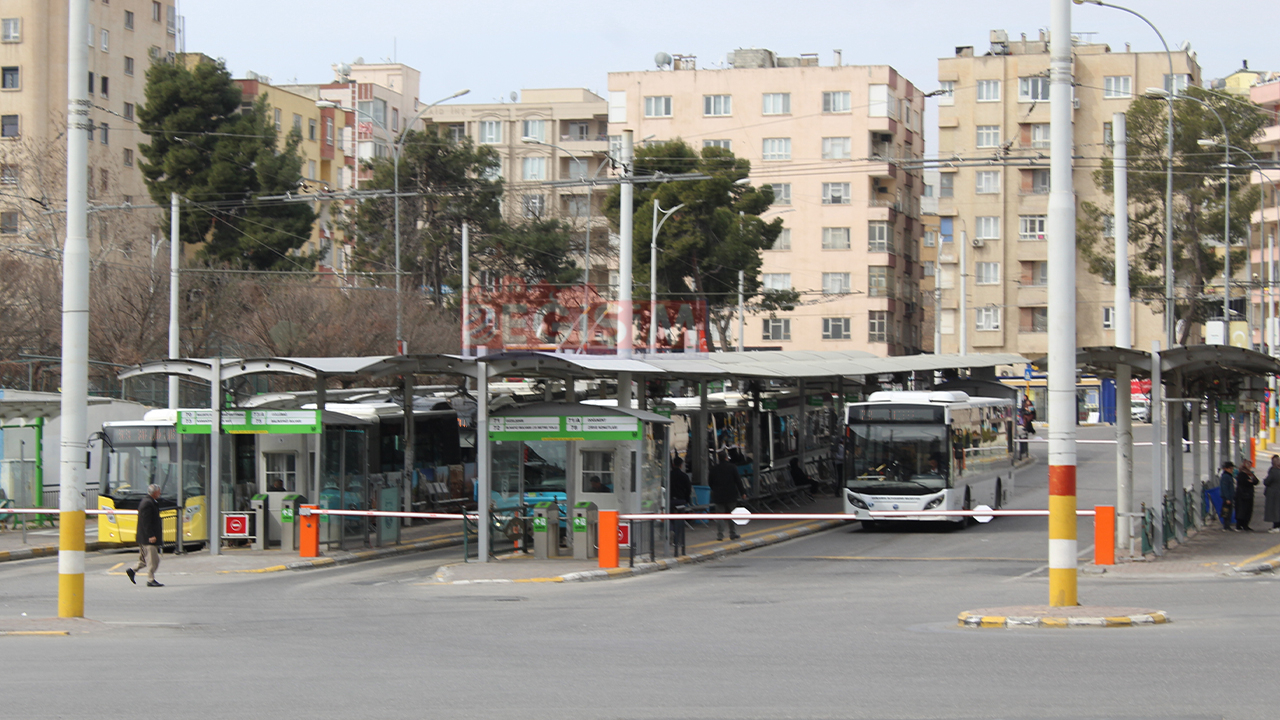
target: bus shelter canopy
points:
(1194, 366)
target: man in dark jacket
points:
(1227, 486)
(149, 536)
(681, 495)
(726, 490)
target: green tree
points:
(1198, 202)
(442, 183)
(222, 157)
(702, 246)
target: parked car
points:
(1140, 409)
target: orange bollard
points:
(608, 538)
(1104, 535)
(1253, 451)
(309, 533)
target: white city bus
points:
(940, 450)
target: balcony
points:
(584, 144)
(1270, 136)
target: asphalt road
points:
(840, 624)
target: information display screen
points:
(896, 414)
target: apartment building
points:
(831, 140)
(1266, 94)
(547, 135)
(993, 144)
(124, 38)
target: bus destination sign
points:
(896, 414)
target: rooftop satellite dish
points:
(662, 60)
(514, 96)
(344, 69)
(359, 60)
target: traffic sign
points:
(982, 518)
(740, 511)
(624, 533)
(235, 525)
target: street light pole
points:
(653, 270)
(1170, 323)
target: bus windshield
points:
(145, 455)
(903, 459)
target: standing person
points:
(839, 463)
(1227, 486)
(1246, 481)
(681, 496)
(149, 536)
(726, 490)
(1028, 415)
(1271, 495)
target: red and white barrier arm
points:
(387, 513)
(55, 511)
(875, 514)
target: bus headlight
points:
(190, 512)
(856, 501)
(935, 502)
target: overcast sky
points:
(497, 46)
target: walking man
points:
(149, 536)
(726, 490)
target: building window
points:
(835, 238)
(105, 36)
(1031, 227)
(1040, 135)
(9, 222)
(1033, 89)
(490, 132)
(836, 102)
(987, 182)
(776, 104)
(988, 136)
(128, 157)
(879, 281)
(157, 12)
(777, 329)
(535, 130)
(492, 173)
(105, 134)
(930, 238)
(8, 174)
(947, 92)
(929, 268)
(11, 30)
(1036, 273)
(93, 83)
(777, 149)
(312, 128)
(93, 36)
(297, 124)
(276, 117)
(105, 84)
(657, 106)
(717, 105)
(1035, 320)
(987, 227)
(578, 207)
(877, 326)
(105, 180)
(724, 144)
(1117, 86)
(311, 169)
(1108, 135)
(835, 193)
(879, 237)
(577, 169)
(988, 91)
(947, 185)
(835, 148)
(534, 206)
(457, 132)
(1108, 226)
(776, 281)
(533, 168)
(1108, 318)
(128, 111)
(281, 469)
(781, 193)
(835, 328)
(128, 19)
(579, 131)
(171, 19)
(835, 283)
(128, 66)
(10, 79)
(986, 273)
(783, 241)
(988, 318)
(328, 131)
(1178, 84)
(1039, 182)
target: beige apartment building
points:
(831, 141)
(993, 146)
(545, 137)
(124, 38)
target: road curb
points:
(972, 620)
(656, 566)
(346, 558)
(1261, 567)
(42, 551)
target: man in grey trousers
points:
(149, 536)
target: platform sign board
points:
(624, 534)
(573, 427)
(235, 525)
(251, 422)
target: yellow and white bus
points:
(139, 453)
(930, 450)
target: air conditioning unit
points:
(154, 52)
(1075, 103)
(978, 242)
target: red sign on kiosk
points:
(624, 534)
(235, 525)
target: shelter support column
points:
(1157, 454)
(482, 461)
(1197, 479)
(1124, 456)
(1211, 457)
(1174, 451)
(699, 444)
(801, 412)
(407, 475)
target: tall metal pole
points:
(1062, 316)
(625, 211)
(466, 289)
(400, 348)
(214, 498)
(937, 312)
(1157, 451)
(1123, 329)
(586, 282)
(75, 320)
(653, 269)
(175, 258)
(482, 461)
(1226, 236)
(963, 310)
(742, 312)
